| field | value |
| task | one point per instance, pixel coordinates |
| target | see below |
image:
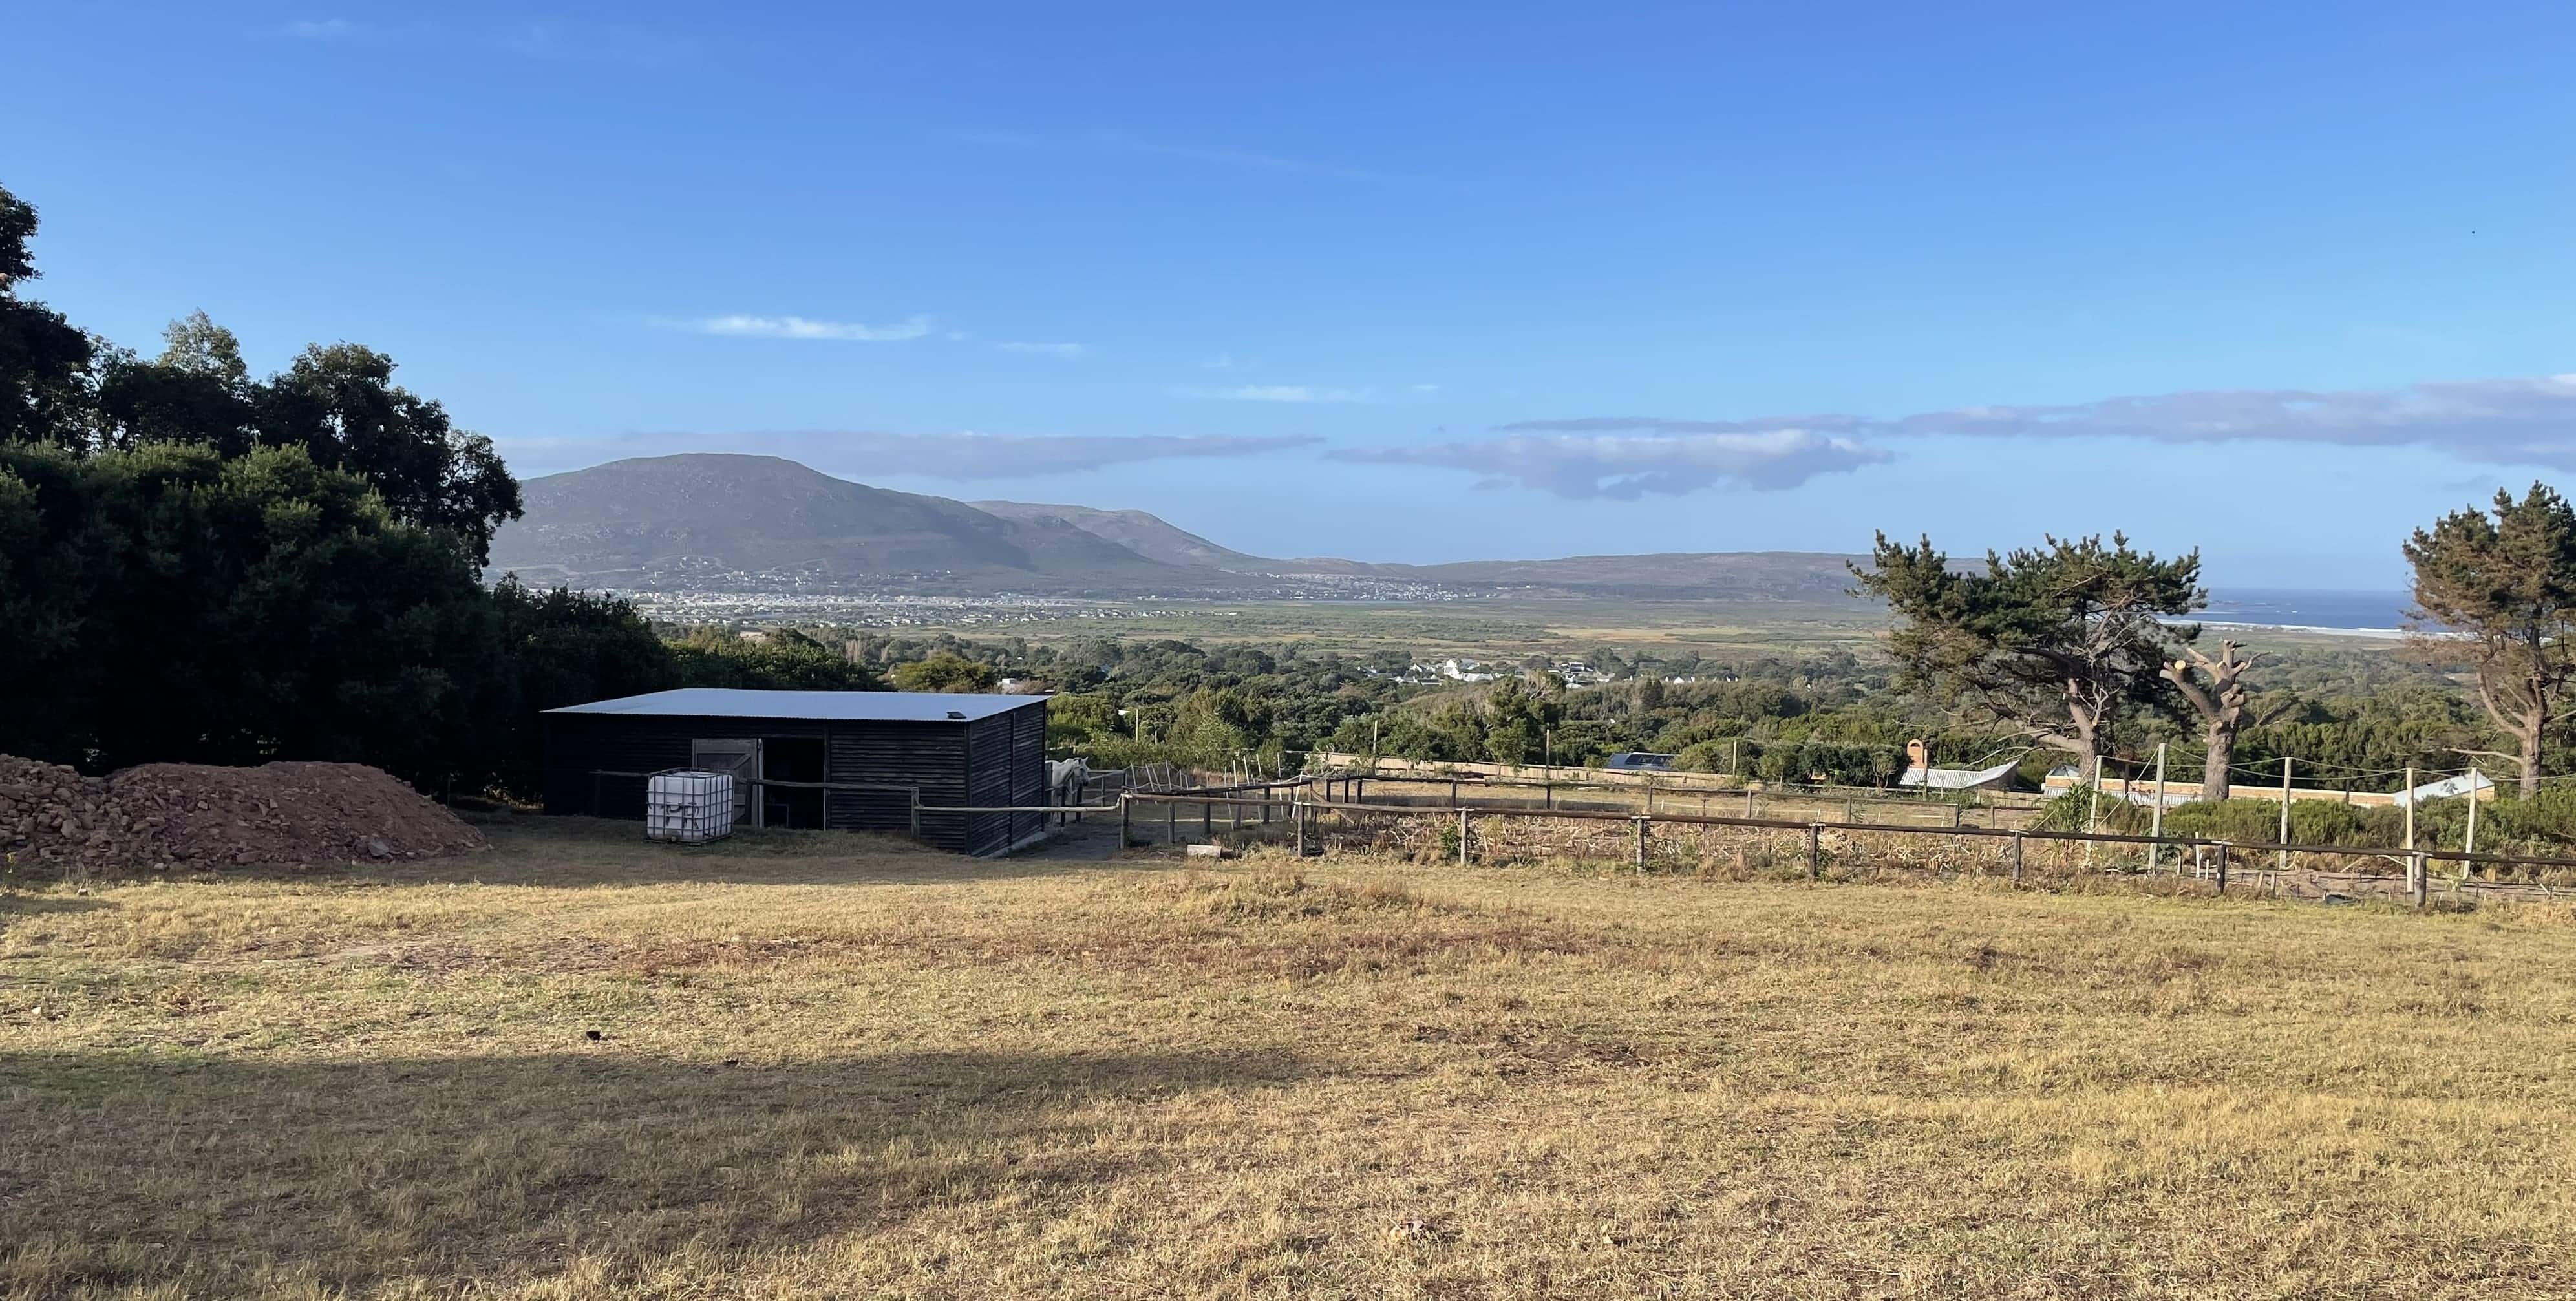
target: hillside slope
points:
(705, 514)
(1147, 535)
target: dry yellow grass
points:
(830, 1067)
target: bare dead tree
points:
(2220, 704)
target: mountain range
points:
(709, 521)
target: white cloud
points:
(1045, 349)
(1628, 466)
(322, 29)
(2518, 422)
(2528, 421)
(1282, 393)
(870, 454)
(799, 327)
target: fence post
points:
(1462, 837)
(2281, 861)
(1124, 822)
(2016, 858)
(1171, 821)
(1748, 799)
(2222, 867)
(1297, 810)
(1815, 851)
(1641, 845)
(2410, 810)
(1207, 819)
(915, 816)
(2415, 877)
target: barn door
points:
(739, 757)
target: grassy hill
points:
(708, 514)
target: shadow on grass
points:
(14, 904)
(223, 1177)
(538, 850)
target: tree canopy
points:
(2495, 591)
(337, 402)
(199, 566)
(2062, 642)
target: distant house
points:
(1466, 670)
(1638, 761)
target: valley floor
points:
(821, 1065)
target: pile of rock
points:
(166, 815)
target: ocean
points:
(2381, 612)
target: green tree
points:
(2498, 595)
(190, 606)
(2059, 642)
(945, 671)
(1517, 719)
(786, 660)
(45, 363)
(197, 391)
(339, 403)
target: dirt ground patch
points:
(164, 815)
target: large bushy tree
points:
(45, 379)
(2060, 642)
(196, 565)
(2495, 592)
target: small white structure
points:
(1960, 779)
(2471, 782)
(1638, 761)
(688, 806)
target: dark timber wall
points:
(991, 761)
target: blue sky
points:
(2281, 282)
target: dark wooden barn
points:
(955, 750)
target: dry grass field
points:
(799, 1066)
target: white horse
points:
(1066, 778)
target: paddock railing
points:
(1471, 832)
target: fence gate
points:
(742, 759)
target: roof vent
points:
(956, 713)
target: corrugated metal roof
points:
(833, 706)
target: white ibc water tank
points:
(688, 806)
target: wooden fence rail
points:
(2417, 861)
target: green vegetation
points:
(2506, 589)
(198, 566)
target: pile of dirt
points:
(165, 815)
